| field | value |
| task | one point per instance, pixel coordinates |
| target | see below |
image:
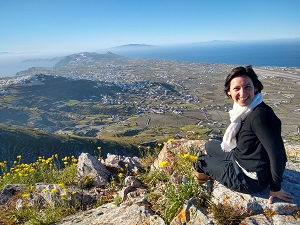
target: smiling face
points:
(242, 90)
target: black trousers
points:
(222, 167)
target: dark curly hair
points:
(240, 71)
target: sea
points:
(277, 53)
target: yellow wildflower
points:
(189, 157)
(54, 191)
(63, 196)
(65, 158)
(44, 190)
(120, 175)
(193, 158)
(25, 195)
(171, 140)
(61, 185)
(185, 156)
(163, 163)
(19, 157)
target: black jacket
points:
(260, 147)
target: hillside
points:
(32, 143)
(114, 99)
(87, 58)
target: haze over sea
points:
(280, 53)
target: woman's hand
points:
(283, 195)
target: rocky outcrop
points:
(256, 205)
(117, 161)
(167, 152)
(8, 191)
(135, 209)
(89, 166)
(110, 214)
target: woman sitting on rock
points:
(251, 156)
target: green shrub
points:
(228, 215)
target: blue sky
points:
(91, 25)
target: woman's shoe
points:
(210, 185)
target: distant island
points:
(135, 45)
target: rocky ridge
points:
(88, 58)
(135, 209)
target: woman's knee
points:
(200, 163)
(212, 147)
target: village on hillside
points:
(159, 92)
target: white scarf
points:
(237, 114)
